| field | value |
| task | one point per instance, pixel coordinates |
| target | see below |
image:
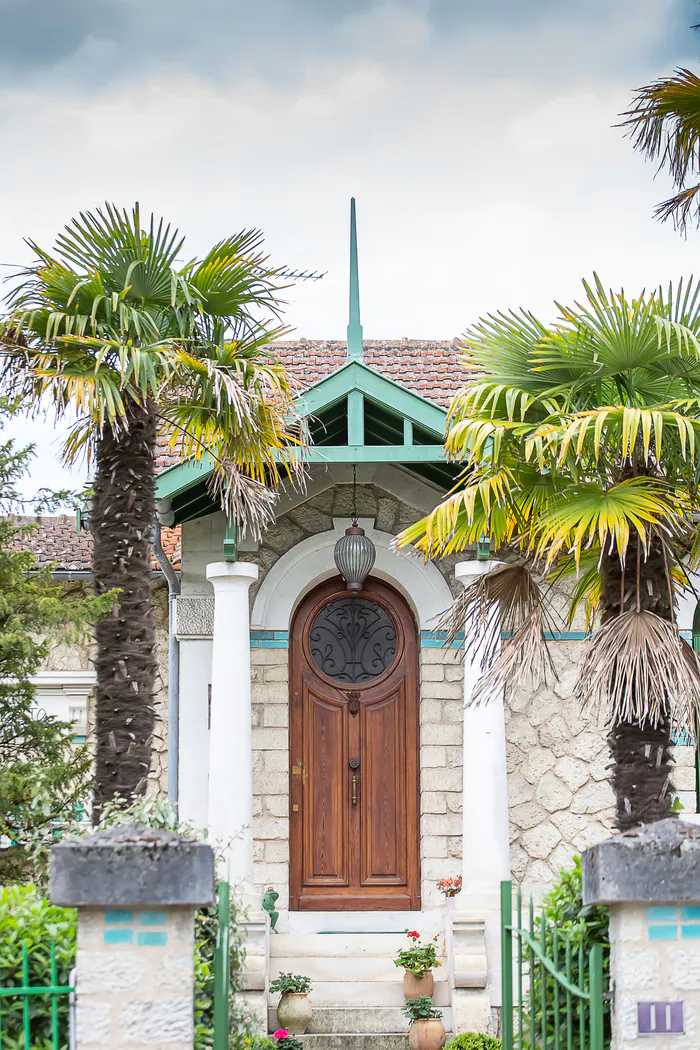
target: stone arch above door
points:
(311, 561)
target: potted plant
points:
(294, 1008)
(418, 961)
(450, 888)
(427, 1032)
(285, 1041)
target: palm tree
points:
(110, 327)
(578, 442)
(664, 123)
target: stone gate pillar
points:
(136, 890)
(650, 879)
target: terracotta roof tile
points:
(56, 542)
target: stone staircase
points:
(357, 992)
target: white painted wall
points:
(195, 677)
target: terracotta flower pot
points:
(427, 1034)
(294, 1012)
(416, 984)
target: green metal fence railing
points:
(222, 970)
(25, 1020)
(552, 991)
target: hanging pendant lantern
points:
(354, 552)
(354, 556)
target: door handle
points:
(354, 764)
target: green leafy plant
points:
(27, 918)
(586, 926)
(285, 1041)
(474, 1041)
(420, 1009)
(290, 982)
(418, 958)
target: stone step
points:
(365, 993)
(336, 945)
(355, 1041)
(342, 968)
(358, 1020)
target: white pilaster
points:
(230, 809)
(485, 837)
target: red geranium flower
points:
(281, 1033)
(414, 935)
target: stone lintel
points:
(657, 862)
(132, 865)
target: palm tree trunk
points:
(123, 512)
(641, 759)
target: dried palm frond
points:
(244, 500)
(505, 614)
(640, 667)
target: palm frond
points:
(244, 500)
(504, 616)
(664, 125)
(638, 667)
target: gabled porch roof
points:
(354, 415)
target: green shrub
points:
(563, 910)
(474, 1041)
(26, 917)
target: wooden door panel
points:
(325, 810)
(362, 855)
(383, 794)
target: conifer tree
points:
(43, 773)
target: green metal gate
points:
(35, 1016)
(552, 992)
(222, 970)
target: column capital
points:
(467, 570)
(221, 572)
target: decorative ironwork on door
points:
(353, 640)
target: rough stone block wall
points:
(441, 730)
(559, 798)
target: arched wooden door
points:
(354, 833)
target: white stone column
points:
(230, 809)
(485, 840)
(486, 853)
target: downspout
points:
(166, 517)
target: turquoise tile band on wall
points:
(664, 921)
(428, 639)
(121, 923)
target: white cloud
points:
(483, 159)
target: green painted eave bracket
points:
(230, 541)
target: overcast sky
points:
(476, 135)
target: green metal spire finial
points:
(355, 349)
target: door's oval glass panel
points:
(353, 640)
